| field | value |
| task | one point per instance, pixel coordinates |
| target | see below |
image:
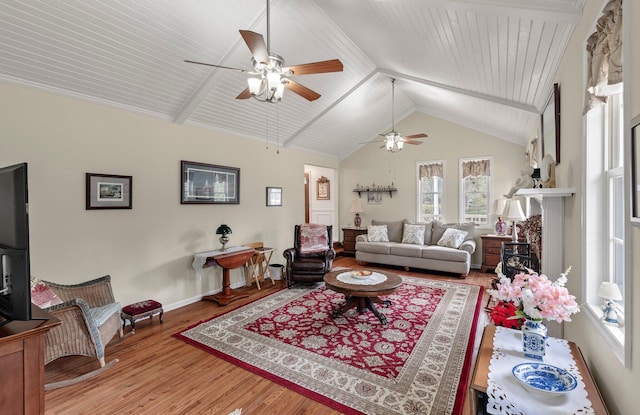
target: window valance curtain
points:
(475, 168)
(431, 170)
(604, 55)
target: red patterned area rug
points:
(418, 364)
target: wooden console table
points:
(479, 380)
(232, 258)
(22, 363)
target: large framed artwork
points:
(550, 121)
(209, 183)
(108, 191)
(635, 171)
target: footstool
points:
(139, 310)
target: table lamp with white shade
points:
(513, 212)
(610, 292)
(357, 207)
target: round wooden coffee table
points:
(362, 293)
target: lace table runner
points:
(506, 396)
(373, 279)
(201, 258)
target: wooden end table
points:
(479, 380)
(363, 296)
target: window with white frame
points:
(475, 190)
(604, 208)
(430, 190)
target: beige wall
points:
(616, 383)
(148, 250)
(447, 141)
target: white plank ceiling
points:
(484, 64)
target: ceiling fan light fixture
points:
(279, 92)
(255, 84)
(273, 81)
(394, 142)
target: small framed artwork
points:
(274, 196)
(322, 189)
(208, 183)
(374, 198)
(108, 191)
(550, 120)
(635, 171)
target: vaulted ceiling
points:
(484, 64)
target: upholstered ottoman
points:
(140, 310)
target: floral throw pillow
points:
(313, 238)
(377, 233)
(413, 234)
(452, 238)
(42, 295)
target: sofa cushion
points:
(377, 233)
(413, 234)
(394, 229)
(452, 238)
(439, 228)
(408, 250)
(374, 247)
(442, 253)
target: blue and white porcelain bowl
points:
(543, 378)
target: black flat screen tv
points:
(15, 287)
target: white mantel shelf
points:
(547, 192)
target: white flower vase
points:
(534, 339)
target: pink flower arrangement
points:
(536, 297)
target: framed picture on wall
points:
(550, 121)
(108, 191)
(323, 191)
(209, 183)
(274, 196)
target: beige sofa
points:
(428, 255)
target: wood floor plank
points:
(159, 374)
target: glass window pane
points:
(617, 207)
(618, 267)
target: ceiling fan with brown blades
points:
(393, 140)
(271, 75)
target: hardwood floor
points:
(159, 374)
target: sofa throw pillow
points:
(413, 234)
(394, 229)
(428, 226)
(439, 228)
(377, 233)
(452, 238)
(42, 295)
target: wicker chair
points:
(90, 319)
